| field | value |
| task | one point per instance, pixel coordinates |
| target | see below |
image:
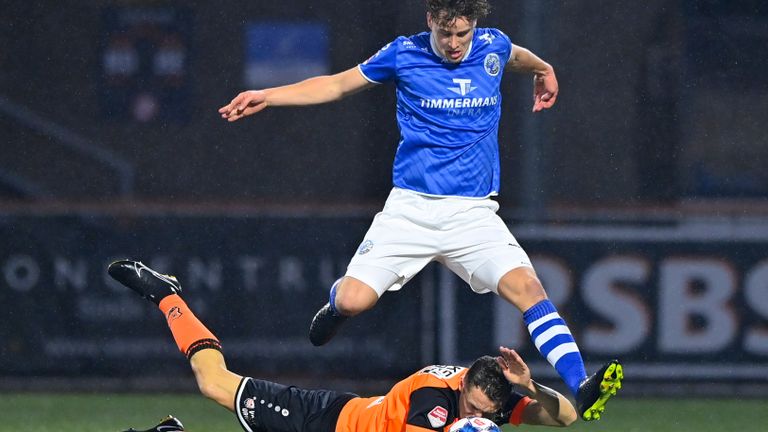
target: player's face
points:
(453, 38)
(474, 403)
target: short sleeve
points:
(516, 417)
(431, 408)
(501, 42)
(382, 66)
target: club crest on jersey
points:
(438, 416)
(365, 247)
(492, 64)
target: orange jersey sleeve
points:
(516, 417)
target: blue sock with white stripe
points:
(554, 341)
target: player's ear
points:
(429, 20)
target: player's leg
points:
(552, 337)
(354, 296)
(394, 249)
(348, 297)
(549, 332)
(214, 380)
(356, 292)
(510, 275)
(486, 255)
(194, 340)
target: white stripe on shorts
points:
(238, 411)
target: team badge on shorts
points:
(492, 64)
(365, 247)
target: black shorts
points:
(264, 406)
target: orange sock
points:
(189, 333)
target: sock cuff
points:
(201, 345)
(539, 310)
(332, 297)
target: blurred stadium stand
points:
(645, 117)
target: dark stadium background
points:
(641, 197)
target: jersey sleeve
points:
(512, 412)
(430, 409)
(382, 66)
(516, 416)
(505, 43)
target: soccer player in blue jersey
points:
(446, 170)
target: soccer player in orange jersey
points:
(432, 399)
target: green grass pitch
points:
(116, 412)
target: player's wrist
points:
(263, 95)
(530, 388)
(544, 70)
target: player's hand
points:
(514, 368)
(545, 90)
(244, 104)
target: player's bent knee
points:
(533, 290)
(207, 389)
(355, 297)
(522, 288)
(213, 378)
(218, 389)
(350, 307)
(214, 392)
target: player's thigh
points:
(483, 250)
(393, 251)
(213, 378)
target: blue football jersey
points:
(448, 113)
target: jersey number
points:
(441, 371)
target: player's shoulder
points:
(490, 36)
(418, 41)
(440, 375)
(405, 44)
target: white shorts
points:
(464, 234)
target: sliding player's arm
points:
(548, 407)
(543, 405)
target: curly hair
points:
(486, 374)
(446, 11)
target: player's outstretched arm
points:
(545, 86)
(312, 91)
(548, 408)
